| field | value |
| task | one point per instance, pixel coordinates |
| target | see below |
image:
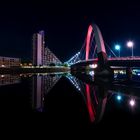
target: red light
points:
(89, 104)
(88, 41)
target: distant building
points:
(38, 48)
(7, 62)
(50, 58)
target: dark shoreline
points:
(32, 70)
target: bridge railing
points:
(111, 59)
(125, 58)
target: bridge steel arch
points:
(101, 51)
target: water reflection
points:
(41, 85)
(8, 79)
(91, 94)
(94, 95)
(97, 92)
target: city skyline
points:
(66, 26)
(77, 63)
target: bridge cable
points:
(110, 49)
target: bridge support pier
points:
(104, 72)
(103, 69)
(129, 73)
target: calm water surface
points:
(78, 100)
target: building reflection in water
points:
(8, 79)
(97, 92)
(41, 85)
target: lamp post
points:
(118, 48)
(130, 44)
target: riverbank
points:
(33, 70)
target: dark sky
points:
(65, 25)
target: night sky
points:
(65, 25)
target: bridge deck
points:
(117, 61)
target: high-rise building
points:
(41, 54)
(38, 48)
(50, 57)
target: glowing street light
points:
(132, 102)
(130, 44)
(119, 97)
(118, 48)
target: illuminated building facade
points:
(41, 54)
(50, 58)
(7, 62)
(38, 48)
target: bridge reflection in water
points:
(81, 96)
(95, 93)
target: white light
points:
(2, 76)
(93, 66)
(132, 102)
(130, 44)
(2, 65)
(91, 73)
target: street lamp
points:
(132, 102)
(118, 48)
(130, 44)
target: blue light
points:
(117, 47)
(119, 97)
(91, 73)
(138, 74)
